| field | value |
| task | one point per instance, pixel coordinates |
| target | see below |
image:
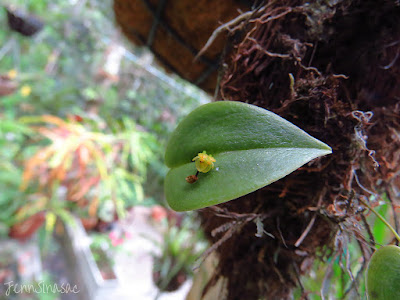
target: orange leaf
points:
(94, 204)
(37, 160)
(85, 187)
(53, 120)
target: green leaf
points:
(252, 147)
(383, 274)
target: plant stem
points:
(381, 218)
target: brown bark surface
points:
(331, 68)
(176, 30)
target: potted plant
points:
(181, 246)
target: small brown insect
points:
(191, 178)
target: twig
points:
(281, 278)
(310, 69)
(275, 17)
(361, 186)
(365, 203)
(222, 228)
(230, 227)
(348, 269)
(235, 22)
(391, 64)
(291, 86)
(371, 236)
(328, 273)
(223, 239)
(272, 54)
(358, 275)
(280, 232)
(306, 231)
(381, 218)
(310, 225)
(340, 76)
(297, 272)
(312, 54)
(222, 28)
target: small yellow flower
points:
(204, 162)
(26, 91)
(12, 74)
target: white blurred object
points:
(114, 55)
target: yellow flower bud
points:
(204, 162)
(12, 73)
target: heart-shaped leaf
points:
(252, 147)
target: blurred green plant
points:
(65, 68)
(181, 246)
(98, 147)
(13, 135)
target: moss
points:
(342, 55)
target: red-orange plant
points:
(77, 164)
(74, 159)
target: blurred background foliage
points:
(83, 123)
(71, 79)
